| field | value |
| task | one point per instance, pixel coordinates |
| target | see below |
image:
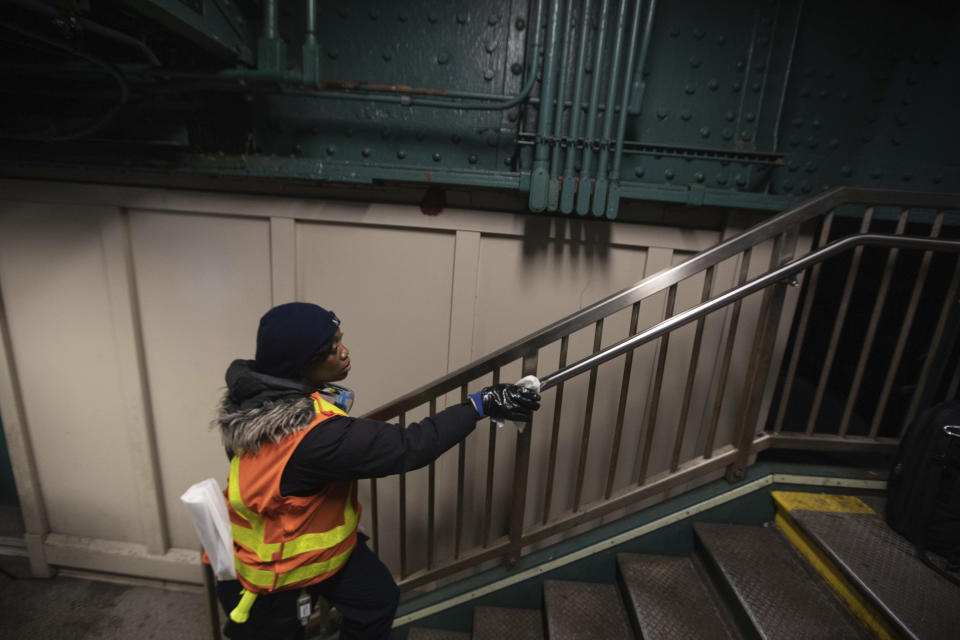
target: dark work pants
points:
(363, 591)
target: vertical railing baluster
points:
(431, 498)
(622, 407)
(904, 330)
(555, 434)
(376, 519)
(725, 359)
(403, 512)
(838, 323)
(801, 333)
(461, 465)
(761, 355)
(521, 473)
(691, 375)
(653, 401)
(934, 348)
(588, 418)
(868, 339)
(491, 462)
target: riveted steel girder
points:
(216, 25)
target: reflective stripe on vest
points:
(265, 578)
(253, 537)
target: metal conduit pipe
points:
(553, 190)
(93, 27)
(776, 276)
(600, 189)
(569, 184)
(584, 184)
(311, 25)
(613, 199)
(271, 49)
(639, 86)
(540, 176)
(270, 19)
(310, 53)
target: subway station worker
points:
(295, 458)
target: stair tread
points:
(669, 598)
(782, 597)
(421, 633)
(886, 569)
(584, 611)
(499, 623)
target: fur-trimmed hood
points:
(257, 407)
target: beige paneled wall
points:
(392, 289)
(58, 313)
(202, 283)
(123, 306)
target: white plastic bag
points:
(530, 382)
(208, 510)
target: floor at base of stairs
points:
(60, 607)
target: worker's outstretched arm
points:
(346, 448)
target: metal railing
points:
(687, 458)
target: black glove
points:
(509, 402)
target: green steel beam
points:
(755, 104)
(218, 27)
(301, 168)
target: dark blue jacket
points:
(360, 448)
(258, 406)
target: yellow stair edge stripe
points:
(847, 592)
(830, 502)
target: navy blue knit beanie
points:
(290, 335)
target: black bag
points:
(923, 492)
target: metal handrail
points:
(743, 434)
(738, 293)
(757, 234)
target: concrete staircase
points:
(829, 568)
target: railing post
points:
(521, 470)
(758, 371)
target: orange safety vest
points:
(287, 542)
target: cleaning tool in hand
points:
(515, 402)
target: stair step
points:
(669, 599)
(500, 623)
(882, 567)
(782, 598)
(419, 633)
(584, 611)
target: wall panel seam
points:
(283, 260)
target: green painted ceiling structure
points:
(575, 105)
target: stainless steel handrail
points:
(684, 317)
(760, 232)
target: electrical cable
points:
(96, 125)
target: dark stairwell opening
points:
(869, 409)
